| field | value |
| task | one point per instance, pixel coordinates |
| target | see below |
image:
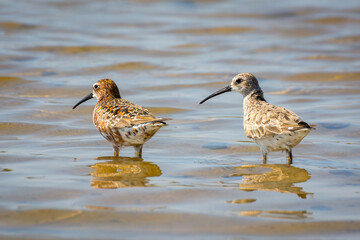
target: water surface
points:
(200, 177)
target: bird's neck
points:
(107, 97)
(255, 97)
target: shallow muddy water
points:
(200, 177)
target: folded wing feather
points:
(277, 120)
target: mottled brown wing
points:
(149, 120)
(270, 120)
(126, 113)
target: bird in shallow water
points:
(273, 128)
(120, 121)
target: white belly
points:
(139, 134)
(280, 142)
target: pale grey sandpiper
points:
(273, 128)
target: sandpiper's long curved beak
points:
(221, 91)
(90, 96)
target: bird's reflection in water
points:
(122, 172)
(272, 177)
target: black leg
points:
(116, 151)
(264, 158)
(138, 151)
(289, 157)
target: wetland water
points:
(200, 177)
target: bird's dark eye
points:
(238, 80)
(96, 86)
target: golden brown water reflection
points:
(272, 177)
(121, 172)
(280, 214)
(200, 177)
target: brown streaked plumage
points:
(272, 127)
(120, 121)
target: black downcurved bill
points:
(221, 91)
(90, 96)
